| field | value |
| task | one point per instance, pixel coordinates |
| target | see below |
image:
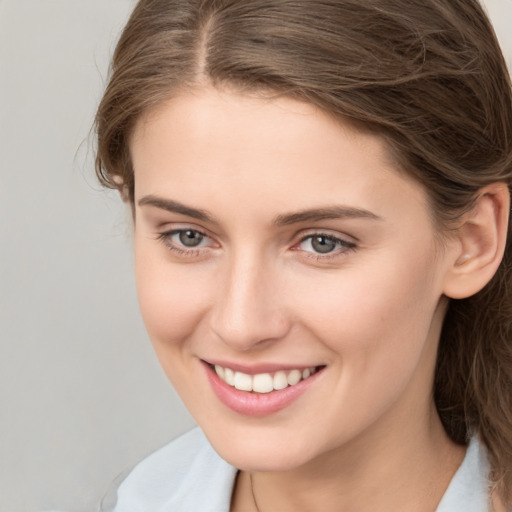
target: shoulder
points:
(180, 476)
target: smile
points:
(260, 394)
(263, 382)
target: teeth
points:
(220, 371)
(280, 380)
(243, 382)
(294, 376)
(229, 376)
(263, 382)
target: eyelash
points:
(344, 246)
(166, 238)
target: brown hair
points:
(427, 75)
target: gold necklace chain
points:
(258, 508)
(252, 493)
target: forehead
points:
(249, 149)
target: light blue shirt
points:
(187, 475)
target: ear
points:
(479, 243)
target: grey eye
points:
(190, 238)
(323, 244)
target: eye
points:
(190, 237)
(320, 243)
(185, 241)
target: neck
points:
(374, 472)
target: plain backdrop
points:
(82, 397)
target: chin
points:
(267, 461)
(263, 451)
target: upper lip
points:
(258, 368)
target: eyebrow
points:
(176, 207)
(310, 215)
(325, 213)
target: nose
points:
(249, 310)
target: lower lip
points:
(257, 404)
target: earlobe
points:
(479, 243)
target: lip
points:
(257, 404)
(258, 368)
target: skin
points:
(366, 435)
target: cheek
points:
(376, 311)
(380, 340)
(170, 298)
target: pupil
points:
(190, 238)
(323, 244)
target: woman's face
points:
(274, 242)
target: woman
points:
(320, 193)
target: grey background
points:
(82, 397)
